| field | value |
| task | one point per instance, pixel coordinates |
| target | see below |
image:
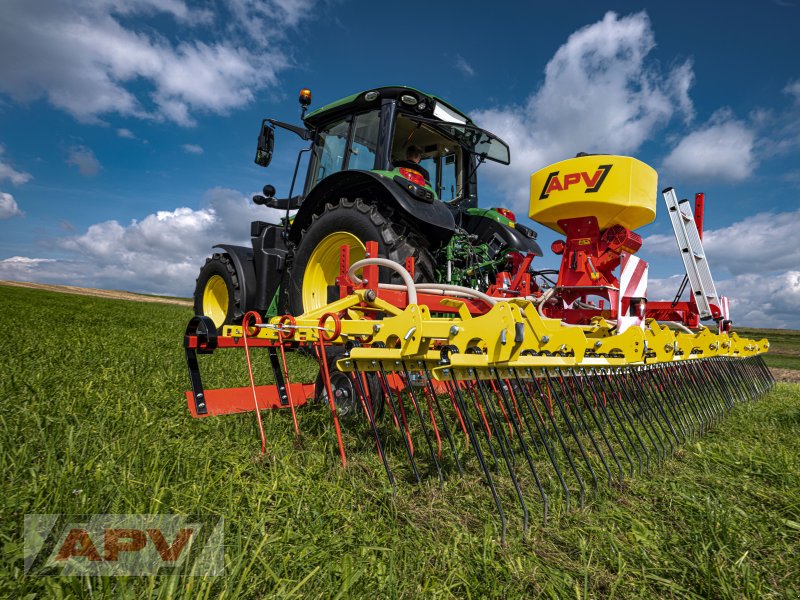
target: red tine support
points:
(502, 408)
(247, 331)
(326, 376)
(433, 419)
(514, 403)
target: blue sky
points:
(127, 128)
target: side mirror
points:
(266, 144)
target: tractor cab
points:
(372, 131)
(362, 184)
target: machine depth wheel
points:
(313, 263)
(217, 294)
(345, 392)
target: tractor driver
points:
(413, 157)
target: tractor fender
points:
(242, 259)
(488, 229)
(435, 218)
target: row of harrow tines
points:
(539, 409)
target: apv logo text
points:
(554, 183)
(141, 544)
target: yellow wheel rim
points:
(323, 267)
(215, 300)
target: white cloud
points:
(793, 89)
(8, 172)
(96, 57)
(756, 300)
(126, 133)
(600, 94)
(463, 66)
(161, 253)
(760, 244)
(83, 158)
(721, 150)
(8, 206)
(192, 148)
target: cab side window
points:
(365, 140)
(329, 150)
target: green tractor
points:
(393, 165)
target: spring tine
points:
(447, 433)
(507, 437)
(643, 401)
(287, 386)
(404, 420)
(663, 403)
(504, 448)
(591, 375)
(693, 407)
(507, 415)
(366, 401)
(515, 405)
(517, 427)
(664, 387)
(569, 402)
(571, 393)
(413, 396)
(457, 411)
(520, 419)
(434, 424)
(643, 415)
(497, 424)
(588, 404)
(611, 400)
(704, 390)
(654, 402)
(558, 401)
(561, 442)
(406, 439)
(540, 426)
(326, 378)
(648, 399)
(473, 438)
(621, 395)
(487, 432)
(667, 404)
(708, 391)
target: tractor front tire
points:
(217, 294)
(313, 263)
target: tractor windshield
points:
(443, 157)
(478, 141)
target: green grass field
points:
(94, 421)
(784, 346)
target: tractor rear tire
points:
(313, 263)
(217, 294)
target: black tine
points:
(435, 397)
(413, 396)
(388, 391)
(587, 402)
(570, 392)
(535, 416)
(619, 401)
(504, 447)
(521, 438)
(558, 401)
(367, 401)
(549, 412)
(473, 440)
(605, 402)
(485, 427)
